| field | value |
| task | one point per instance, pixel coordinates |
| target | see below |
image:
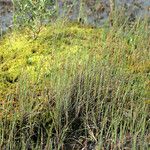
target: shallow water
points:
(94, 13)
(5, 15)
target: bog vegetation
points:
(66, 85)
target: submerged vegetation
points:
(70, 86)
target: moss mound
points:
(73, 83)
(20, 54)
(58, 45)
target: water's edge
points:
(94, 13)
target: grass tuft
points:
(75, 87)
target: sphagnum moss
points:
(74, 86)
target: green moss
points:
(19, 53)
(59, 47)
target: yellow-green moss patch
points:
(70, 47)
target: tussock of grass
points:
(72, 85)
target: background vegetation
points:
(69, 85)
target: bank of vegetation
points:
(70, 86)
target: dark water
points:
(6, 14)
(92, 12)
(97, 12)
